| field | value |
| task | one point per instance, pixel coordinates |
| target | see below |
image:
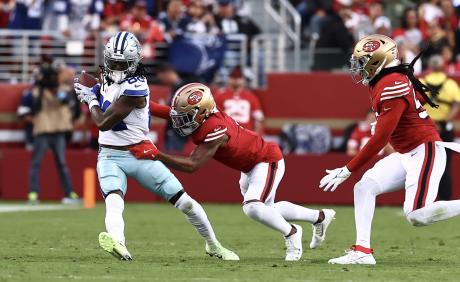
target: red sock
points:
(362, 249)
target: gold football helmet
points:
(190, 106)
(370, 55)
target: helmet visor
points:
(184, 123)
(116, 65)
(358, 73)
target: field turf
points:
(62, 246)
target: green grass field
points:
(62, 246)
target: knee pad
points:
(252, 209)
(367, 185)
(185, 203)
(417, 218)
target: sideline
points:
(5, 208)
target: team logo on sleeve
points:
(371, 46)
(194, 98)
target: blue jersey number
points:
(135, 79)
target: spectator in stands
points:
(409, 34)
(170, 20)
(6, 8)
(240, 103)
(394, 10)
(311, 12)
(198, 20)
(429, 12)
(174, 143)
(230, 23)
(448, 99)
(406, 55)
(74, 19)
(450, 19)
(334, 34)
(27, 14)
(52, 118)
(451, 64)
(381, 23)
(361, 135)
(114, 11)
(137, 21)
(146, 29)
(437, 40)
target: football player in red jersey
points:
(420, 157)
(261, 163)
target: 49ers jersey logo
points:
(371, 46)
(194, 98)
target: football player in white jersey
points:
(120, 108)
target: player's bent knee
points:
(366, 185)
(252, 209)
(417, 218)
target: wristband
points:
(92, 104)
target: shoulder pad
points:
(393, 86)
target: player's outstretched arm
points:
(116, 112)
(388, 120)
(158, 110)
(202, 153)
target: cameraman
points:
(52, 118)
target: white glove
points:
(334, 178)
(87, 95)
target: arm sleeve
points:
(158, 110)
(387, 122)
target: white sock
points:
(114, 206)
(365, 192)
(434, 212)
(291, 211)
(268, 216)
(196, 215)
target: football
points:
(87, 79)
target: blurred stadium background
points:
(292, 56)
(278, 67)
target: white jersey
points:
(135, 127)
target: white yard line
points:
(4, 208)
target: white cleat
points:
(294, 245)
(220, 252)
(112, 246)
(352, 256)
(319, 229)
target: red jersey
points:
(401, 119)
(360, 135)
(244, 148)
(242, 106)
(414, 127)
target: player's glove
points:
(87, 95)
(334, 178)
(145, 150)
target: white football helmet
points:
(122, 55)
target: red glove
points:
(145, 150)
